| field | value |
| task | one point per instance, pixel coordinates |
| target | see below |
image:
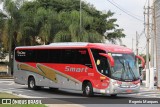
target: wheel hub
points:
(87, 90)
(32, 84)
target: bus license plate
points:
(128, 91)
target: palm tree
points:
(115, 36)
(44, 18)
(28, 29)
(2, 24)
(71, 30)
(12, 14)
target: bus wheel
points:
(88, 89)
(32, 83)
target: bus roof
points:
(106, 47)
(110, 47)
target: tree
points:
(44, 18)
(2, 24)
(28, 29)
(12, 23)
(59, 21)
(115, 35)
(72, 26)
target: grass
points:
(6, 95)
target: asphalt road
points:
(68, 95)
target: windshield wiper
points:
(123, 70)
(130, 69)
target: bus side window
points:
(77, 56)
(103, 65)
(70, 56)
(83, 57)
(42, 56)
(25, 55)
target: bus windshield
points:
(125, 68)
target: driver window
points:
(102, 66)
(101, 62)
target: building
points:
(157, 15)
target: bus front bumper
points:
(115, 89)
(124, 90)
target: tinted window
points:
(96, 52)
(41, 56)
(55, 56)
(65, 56)
(70, 56)
(25, 55)
(101, 62)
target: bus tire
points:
(32, 84)
(88, 89)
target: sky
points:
(135, 8)
(130, 25)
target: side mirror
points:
(142, 60)
(110, 58)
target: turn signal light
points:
(102, 78)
